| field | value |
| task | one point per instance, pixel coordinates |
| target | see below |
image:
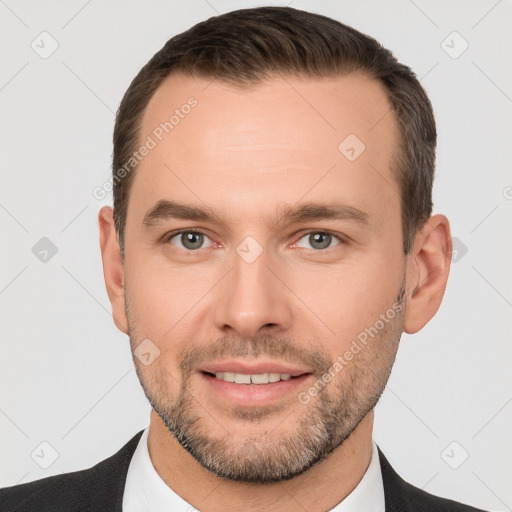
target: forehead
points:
(275, 142)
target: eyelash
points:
(341, 240)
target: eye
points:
(188, 240)
(320, 240)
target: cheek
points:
(159, 295)
(347, 298)
(165, 304)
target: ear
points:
(113, 267)
(428, 266)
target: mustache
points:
(268, 346)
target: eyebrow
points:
(165, 210)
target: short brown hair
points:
(246, 46)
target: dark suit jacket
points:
(100, 489)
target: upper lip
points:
(253, 368)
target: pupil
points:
(317, 237)
(192, 240)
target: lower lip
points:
(255, 395)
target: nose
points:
(252, 299)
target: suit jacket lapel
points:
(108, 479)
(396, 490)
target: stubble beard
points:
(322, 425)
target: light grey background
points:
(66, 373)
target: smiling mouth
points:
(253, 378)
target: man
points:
(272, 237)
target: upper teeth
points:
(259, 378)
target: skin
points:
(242, 153)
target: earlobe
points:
(113, 267)
(428, 268)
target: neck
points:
(320, 488)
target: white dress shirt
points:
(145, 491)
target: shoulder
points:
(100, 485)
(401, 496)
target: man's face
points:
(257, 292)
